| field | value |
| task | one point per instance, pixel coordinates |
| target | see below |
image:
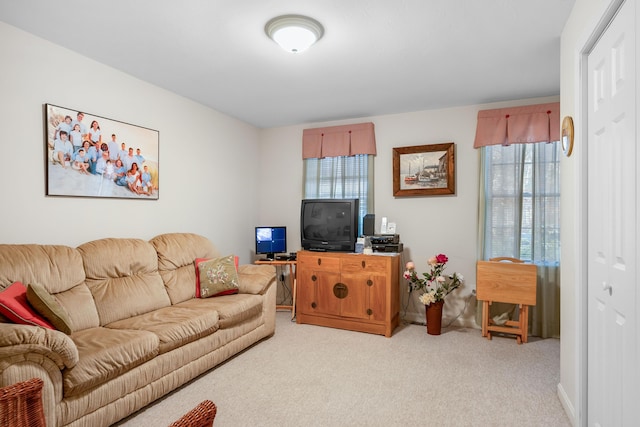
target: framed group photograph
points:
(424, 170)
(88, 155)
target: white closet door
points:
(612, 225)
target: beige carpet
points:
(314, 376)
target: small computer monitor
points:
(271, 241)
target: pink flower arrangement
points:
(434, 284)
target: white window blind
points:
(343, 177)
(522, 202)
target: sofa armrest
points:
(255, 279)
(55, 345)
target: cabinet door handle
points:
(314, 278)
(369, 282)
(319, 261)
(369, 311)
(340, 290)
(314, 305)
(363, 264)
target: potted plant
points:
(435, 286)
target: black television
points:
(271, 241)
(329, 224)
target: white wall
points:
(582, 22)
(208, 161)
(427, 225)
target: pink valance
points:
(335, 141)
(518, 125)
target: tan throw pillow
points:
(47, 305)
(218, 276)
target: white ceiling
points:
(376, 56)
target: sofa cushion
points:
(58, 268)
(216, 277)
(232, 309)
(106, 353)
(255, 279)
(174, 326)
(15, 307)
(49, 307)
(176, 255)
(79, 304)
(122, 275)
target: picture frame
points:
(87, 160)
(424, 170)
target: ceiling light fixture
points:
(294, 33)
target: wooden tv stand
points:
(349, 291)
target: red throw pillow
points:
(198, 261)
(198, 288)
(15, 307)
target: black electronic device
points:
(329, 224)
(271, 241)
(368, 225)
(387, 247)
(385, 239)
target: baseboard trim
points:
(566, 404)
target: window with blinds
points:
(522, 201)
(342, 177)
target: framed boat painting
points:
(424, 170)
(92, 156)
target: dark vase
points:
(434, 317)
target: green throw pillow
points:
(46, 304)
(218, 276)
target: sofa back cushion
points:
(58, 269)
(177, 253)
(80, 306)
(122, 275)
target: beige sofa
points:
(137, 330)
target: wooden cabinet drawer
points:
(319, 262)
(361, 264)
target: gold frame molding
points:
(424, 170)
(567, 136)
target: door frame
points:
(592, 36)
